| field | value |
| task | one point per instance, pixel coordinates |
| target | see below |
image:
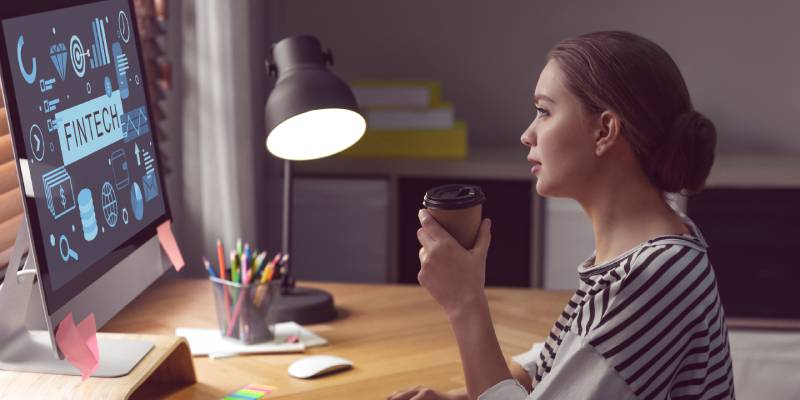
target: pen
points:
(209, 268)
(282, 264)
(261, 262)
(225, 294)
(234, 268)
(255, 267)
(217, 356)
(269, 272)
(245, 256)
(221, 256)
(275, 260)
(239, 296)
(265, 277)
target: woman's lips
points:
(536, 166)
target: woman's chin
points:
(546, 190)
(541, 188)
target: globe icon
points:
(109, 204)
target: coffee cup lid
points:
(454, 197)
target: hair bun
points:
(687, 154)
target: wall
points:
(264, 196)
(739, 58)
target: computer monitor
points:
(82, 134)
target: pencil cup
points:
(243, 310)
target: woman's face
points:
(560, 138)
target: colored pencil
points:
(209, 268)
(225, 294)
(258, 266)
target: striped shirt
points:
(648, 324)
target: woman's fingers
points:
(428, 394)
(423, 237)
(431, 226)
(404, 394)
(484, 237)
(417, 393)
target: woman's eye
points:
(541, 112)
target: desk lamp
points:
(310, 114)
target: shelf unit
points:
(486, 164)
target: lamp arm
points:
(287, 279)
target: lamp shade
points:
(311, 113)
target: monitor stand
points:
(25, 350)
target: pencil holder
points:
(243, 310)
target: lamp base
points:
(302, 305)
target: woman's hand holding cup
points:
(453, 275)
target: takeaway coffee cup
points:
(458, 208)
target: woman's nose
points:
(527, 138)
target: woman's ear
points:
(607, 133)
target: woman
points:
(615, 130)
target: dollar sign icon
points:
(63, 198)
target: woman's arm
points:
(455, 278)
(481, 357)
(521, 376)
(517, 372)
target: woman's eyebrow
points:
(542, 97)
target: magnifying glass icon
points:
(66, 252)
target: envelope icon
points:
(150, 186)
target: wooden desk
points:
(396, 336)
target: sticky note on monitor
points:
(169, 244)
(79, 344)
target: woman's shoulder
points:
(637, 312)
(662, 271)
(667, 302)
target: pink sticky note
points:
(79, 344)
(169, 244)
(88, 331)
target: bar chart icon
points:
(100, 56)
(121, 63)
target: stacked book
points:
(407, 119)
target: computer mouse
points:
(311, 366)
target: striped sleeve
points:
(508, 389)
(579, 372)
(663, 329)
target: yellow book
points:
(412, 143)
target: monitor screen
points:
(75, 88)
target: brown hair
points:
(638, 81)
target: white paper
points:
(209, 342)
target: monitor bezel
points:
(55, 299)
